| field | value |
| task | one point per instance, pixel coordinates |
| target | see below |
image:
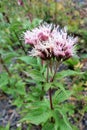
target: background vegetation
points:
(20, 15)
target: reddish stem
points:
(50, 91)
(50, 98)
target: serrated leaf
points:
(3, 80)
(61, 86)
(48, 126)
(20, 88)
(61, 121)
(37, 117)
(29, 60)
(65, 73)
(38, 113)
(61, 96)
(36, 75)
(65, 119)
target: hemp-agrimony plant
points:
(53, 46)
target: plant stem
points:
(51, 80)
(4, 66)
(51, 103)
(50, 98)
(40, 127)
(47, 72)
(50, 90)
(55, 70)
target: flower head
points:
(20, 2)
(50, 42)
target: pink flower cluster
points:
(50, 41)
(20, 2)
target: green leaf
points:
(3, 80)
(65, 119)
(29, 60)
(63, 126)
(36, 92)
(65, 73)
(61, 121)
(7, 127)
(61, 86)
(74, 127)
(19, 128)
(18, 102)
(36, 22)
(9, 56)
(20, 88)
(72, 61)
(36, 75)
(48, 126)
(37, 116)
(38, 113)
(47, 86)
(61, 96)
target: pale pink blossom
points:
(35, 52)
(20, 2)
(30, 37)
(63, 44)
(50, 41)
(42, 33)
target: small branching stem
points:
(55, 71)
